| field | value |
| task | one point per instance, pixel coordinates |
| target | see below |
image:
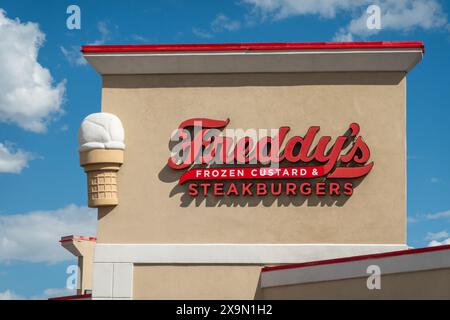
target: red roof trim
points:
(356, 258)
(273, 46)
(72, 238)
(75, 297)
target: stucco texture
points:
(152, 209)
(428, 284)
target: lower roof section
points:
(411, 260)
(257, 57)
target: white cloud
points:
(13, 161)
(201, 33)
(103, 28)
(10, 295)
(435, 243)
(437, 235)
(343, 36)
(280, 9)
(139, 38)
(104, 31)
(397, 15)
(47, 293)
(34, 236)
(438, 215)
(27, 95)
(411, 219)
(435, 180)
(54, 293)
(73, 55)
(403, 16)
(222, 22)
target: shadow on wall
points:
(252, 79)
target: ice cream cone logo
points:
(101, 147)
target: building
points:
(211, 162)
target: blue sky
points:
(41, 183)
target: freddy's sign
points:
(227, 162)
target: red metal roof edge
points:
(356, 258)
(73, 237)
(271, 46)
(74, 297)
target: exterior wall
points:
(85, 263)
(85, 266)
(154, 210)
(429, 284)
(84, 251)
(196, 282)
(112, 281)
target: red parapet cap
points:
(74, 297)
(77, 238)
(356, 258)
(272, 46)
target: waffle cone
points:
(101, 167)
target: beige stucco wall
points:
(84, 251)
(153, 209)
(196, 282)
(430, 284)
